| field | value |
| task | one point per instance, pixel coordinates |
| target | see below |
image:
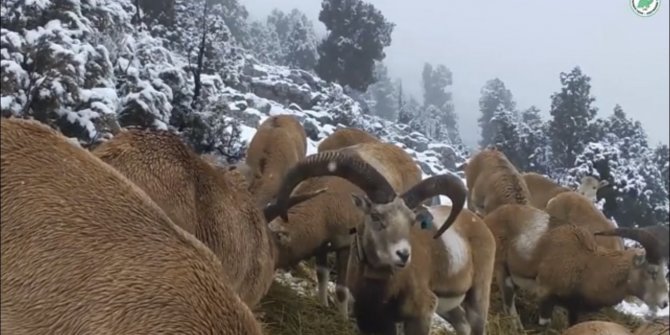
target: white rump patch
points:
(332, 166)
(457, 248)
(527, 241)
(544, 322)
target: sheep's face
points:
(386, 235)
(649, 282)
(589, 187)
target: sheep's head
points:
(589, 187)
(647, 279)
(388, 216)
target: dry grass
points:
(285, 312)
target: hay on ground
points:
(284, 312)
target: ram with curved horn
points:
(322, 224)
(388, 236)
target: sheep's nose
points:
(403, 254)
(664, 305)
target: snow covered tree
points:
(504, 125)
(56, 67)
(264, 43)
(410, 112)
(235, 16)
(301, 45)
(622, 156)
(357, 36)
(496, 101)
(662, 160)
(572, 111)
(381, 95)
(294, 34)
(534, 145)
(435, 84)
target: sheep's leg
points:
(506, 287)
(476, 309)
(417, 326)
(322, 276)
(457, 318)
(546, 308)
(341, 290)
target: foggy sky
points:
(526, 44)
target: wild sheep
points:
(597, 328)
(450, 275)
(278, 144)
(542, 189)
(574, 208)
(324, 223)
(207, 201)
(345, 137)
(492, 181)
(85, 251)
(563, 264)
(611, 328)
(589, 187)
(387, 217)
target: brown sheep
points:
(492, 181)
(542, 189)
(324, 223)
(597, 328)
(563, 265)
(574, 208)
(450, 275)
(368, 166)
(345, 137)
(202, 198)
(85, 251)
(278, 144)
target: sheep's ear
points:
(639, 260)
(362, 202)
(603, 183)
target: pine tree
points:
(535, 147)
(301, 46)
(662, 161)
(381, 94)
(295, 38)
(435, 84)
(357, 36)
(572, 111)
(496, 100)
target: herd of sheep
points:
(141, 235)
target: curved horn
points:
(272, 211)
(446, 184)
(650, 244)
(343, 164)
